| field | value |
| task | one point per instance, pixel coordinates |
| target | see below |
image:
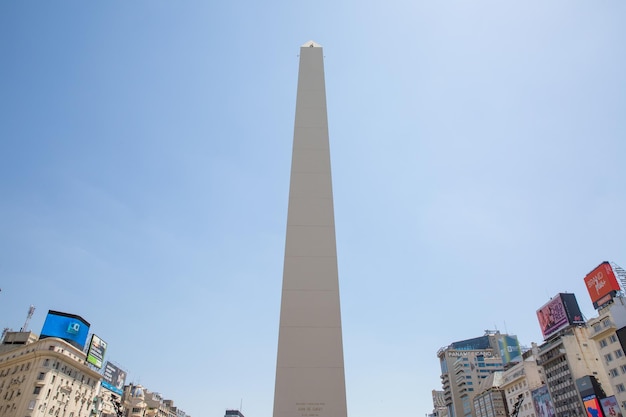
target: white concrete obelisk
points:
(310, 379)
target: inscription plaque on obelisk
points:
(310, 379)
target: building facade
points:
(520, 381)
(464, 364)
(490, 400)
(605, 331)
(565, 357)
(47, 377)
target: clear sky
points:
(478, 155)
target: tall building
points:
(605, 330)
(566, 357)
(464, 364)
(310, 379)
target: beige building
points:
(439, 404)
(45, 378)
(520, 380)
(603, 330)
(490, 400)
(565, 357)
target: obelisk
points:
(310, 379)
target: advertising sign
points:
(509, 348)
(113, 378)
(543, 402)
(69, 327)
(592, 407)
(558, 313)
(97, 348)
(601, 284)
(610, 407)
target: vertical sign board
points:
(592, 406)
(113, 378)
(543, 402)
(558, 313)
(95, 353)
(601, 285)
(69, 327)
(509, 348)
(610, 407)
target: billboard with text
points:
(610, 407)
(113, 378)
(95, 353)
(558, 313)
(601, 284)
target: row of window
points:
(611, 339)
(609, 356)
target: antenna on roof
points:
(31, 310)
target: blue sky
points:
(477, 151)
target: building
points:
(490, 400)
(566, 357)
(233, 413)
(605, 330)
(310, 379)
(520, 381)
(464, 364)
(45, 377)
(439, 404)
(138, 401)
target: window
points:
(619, 353)
(41, 376)
(597, 327)
(603, 343)
(613, 373)
(37, 390)
(613, 338)
(620, 388)
(608, 357)
(623, 368)
(606, 322)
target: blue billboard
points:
(69, 327)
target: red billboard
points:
(601, 282)
(592, 406)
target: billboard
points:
(95, 353)
(543, 402)
(69, 327)
(509, 348)
(558, 313)
(601, 284)
(592, 406)
(610, 407)
(113, 378)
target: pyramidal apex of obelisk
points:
(310, 378)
